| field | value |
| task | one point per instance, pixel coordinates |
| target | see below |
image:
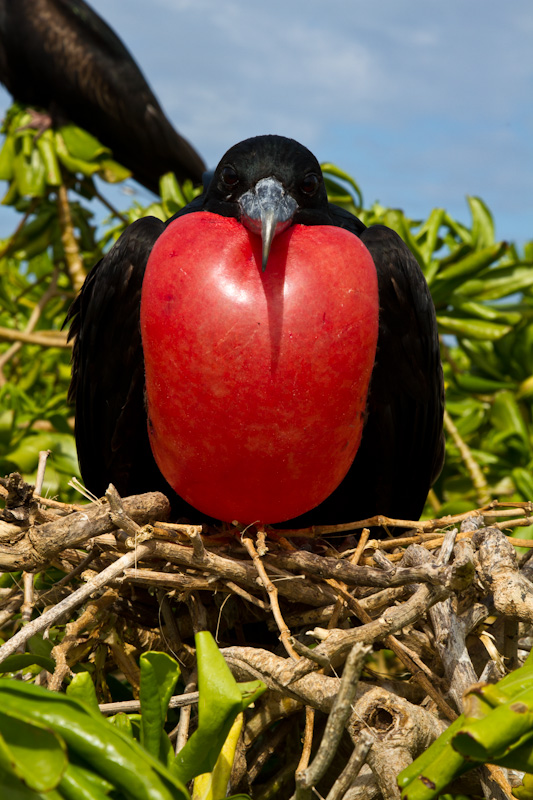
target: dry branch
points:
(434, 597)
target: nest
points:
(444, 604)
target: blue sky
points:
(423, 102)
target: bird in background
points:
(158, 409)
(60, 55)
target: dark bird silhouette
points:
(402, 447)
(61, 56)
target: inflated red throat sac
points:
(256, 381)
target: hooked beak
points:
(267, 210)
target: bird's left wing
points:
(107, 384)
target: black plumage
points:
(61, 56)
(402, 448)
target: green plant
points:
(496, 728)
(58, 746)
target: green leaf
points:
(331, 169)
(7, 155)
(429, 233)
(113, 172)
(486, 312)
(14, 789)
(472, 328)
(170, 191)
(492, 737)
(123, 723)
(81, 144)
(117, 758)
(31, 751)
(478, 385)
(21, 661)
(499, 282)
(80, 784)
(213, 785)
(506, 416)
(449, 279)
(45, 144)
(523, 481)
(431, 772)
(82, 688)
(482, 223)
(30, 173)
(159, 673)
(220, 702)
(74, 165)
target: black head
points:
(269, 183)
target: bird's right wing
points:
(107, 384)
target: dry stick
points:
(72, 635)
(73, 259)
(477, 477)
(272, 596)
(299, 591)
(9, 610)
(285, 636)
(27, 606)
(306, 779)
(110, 207)
(124, 660)
(451, 646)
(499, 573)
(53, 615)
(337, 643)
(414, 665)
(181, 652)
(39, 480)
(383, 576)
(194, 534)
(236, 589)
(307, 739)
(353, 767)
(42, 543)
(272, 743)
(26, 609)
(48, 501)
(188, 698)
(449, 633)
(50, 338)
(380, 521)
(354, 558)
(185, 719)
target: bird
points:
(60, 55)
(267, 186)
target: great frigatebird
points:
(61, 56)
(268, 184)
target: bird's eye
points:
(310, 184)
(229, 176)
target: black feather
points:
(61, 56)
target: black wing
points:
(107, 385)
(59, 54)
(402, 448)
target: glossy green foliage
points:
(36, 287)
(62, 745)
(496, 728)
(31, 158)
